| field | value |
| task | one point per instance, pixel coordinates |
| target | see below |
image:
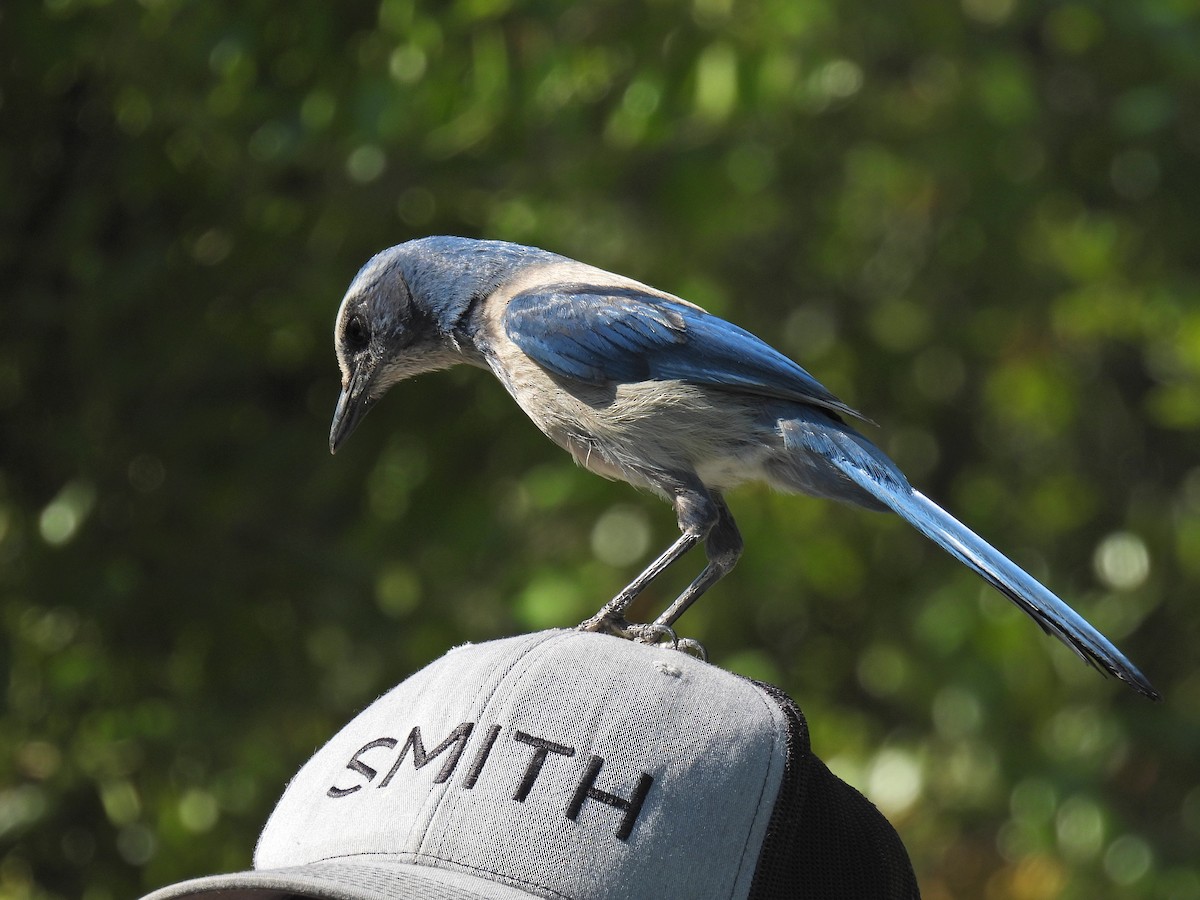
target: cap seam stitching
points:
(775, 713)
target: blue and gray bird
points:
(644, 387)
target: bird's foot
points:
(665, 635)
(644, 634)
(653, 634)
(607, 623)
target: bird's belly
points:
(636, 432)
(722, 473)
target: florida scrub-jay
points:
(642, 386)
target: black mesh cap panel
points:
(825, 840)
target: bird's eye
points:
(357, 336)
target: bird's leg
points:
(697, 514)
(611, 616)
(723, 547)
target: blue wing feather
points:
(601, 334)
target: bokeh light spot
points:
(621, 536)
(1122, 561)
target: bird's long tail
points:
(866, 467)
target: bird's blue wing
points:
(601, 334)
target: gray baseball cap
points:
(571, 766)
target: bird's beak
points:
(352, 405)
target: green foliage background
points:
(973, 220)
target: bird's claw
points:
(665, 634)
(692, 646)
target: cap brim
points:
(359, 878)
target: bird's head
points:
(405, 314)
